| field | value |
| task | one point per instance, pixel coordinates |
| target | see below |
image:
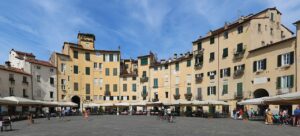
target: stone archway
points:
(260, 93)
(76, 99)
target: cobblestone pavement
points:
(147, 126)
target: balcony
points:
(238, 95)
(198, 65)
(63, 87)
(239, 54)
(25, 82)
(144, 79)
(199, 79)
(144, 94)
(199, 52)
(238, 72)
(284, 91)
(199, 98)
(188, 96)
(176, 96)
(155, 100)
(12, 80)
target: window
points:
(225, 52)
(177, 91)
(166, 66)
(63, 84)
(25, 79)
(144, 61)
(95, 81)
(240, 29)
(211, 90)
(225, 72)
(116, 57)
(75, 69)
(133, 78)
(107, 92)
(100, 82)
(155, 83)
(225, 89)
(259, 65)
(38, 67)
(133, 97)
(107, 71)
(199, 45)
(62, 67)
(87, 56)
(38, 78)
(285, 82)
(51, 81)
(75, 86)
(177, 80)
(240, 48)
(211, 56)
(155, 68)
(285, 59)
(87, 88)
(115, 71)
(115, 88)
(100, 66)
(124, 87)
(51, 70)
(239, 67)
(188, 90)
(272, 17)
(111, 57)
(239, 89)
(259, 27)
(87, 97)
(24, 93)
(188, 63)
(95, 65)
(167, 94)
(211, 74)
(212, 40)
(11, 91)
(51, 95)
(134, 87)
(75, 54)
(271, 31)
(144, 74)
(87, 70)
(177, 66)
(225, 35)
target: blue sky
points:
(138, 26)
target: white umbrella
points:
(290, 98)
(67, 104)
(5, 101)
(256, 101)
(106, 104)
(21, 101)
(209, 102)
(122, 104)
(154, 103)
(138, 103)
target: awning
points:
(256, 101)
(209, 102)
(21, 101)
(124, 104)
(138, 103)
(154, 103)
(5, 101)
(67, 104)
(91, 105)
(106, 104)
(290, 98)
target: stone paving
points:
(147, 126)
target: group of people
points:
(166, 113)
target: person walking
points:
(269, 117)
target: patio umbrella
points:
(21, 101)
(106, 104)
(67, 104)
(290, 98)
(138, 103)
(5, 101)
(123, 104)
(256, 101)
(154, 103)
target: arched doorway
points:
(76, 99)
(258, 94)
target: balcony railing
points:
(239, 54)
(12, 80)
(188, 96)
(284, 91)
(176, 96)
(25, 82)
(155, 100)
(144, 94)
(238, 95)
(199, 98)
(199, 79)
(107, 93)
(238, 72)
(199, 52)
(198, 65)
(144, 79)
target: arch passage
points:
(76, 100)
(260, 93)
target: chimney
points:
(7, 63)
(181, 54)
(175, 55)
(163, 61)
(225, 25)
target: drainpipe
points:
(31, 81)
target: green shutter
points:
(225, 89)
(239, 89)
(177, 91)
(291, 81)
(188, 63)
(188, 90)
(278, 83)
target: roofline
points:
(107, 51)
(19, 72)
(235, 23)
(271, 45)
(287, 29)
(296, 22)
